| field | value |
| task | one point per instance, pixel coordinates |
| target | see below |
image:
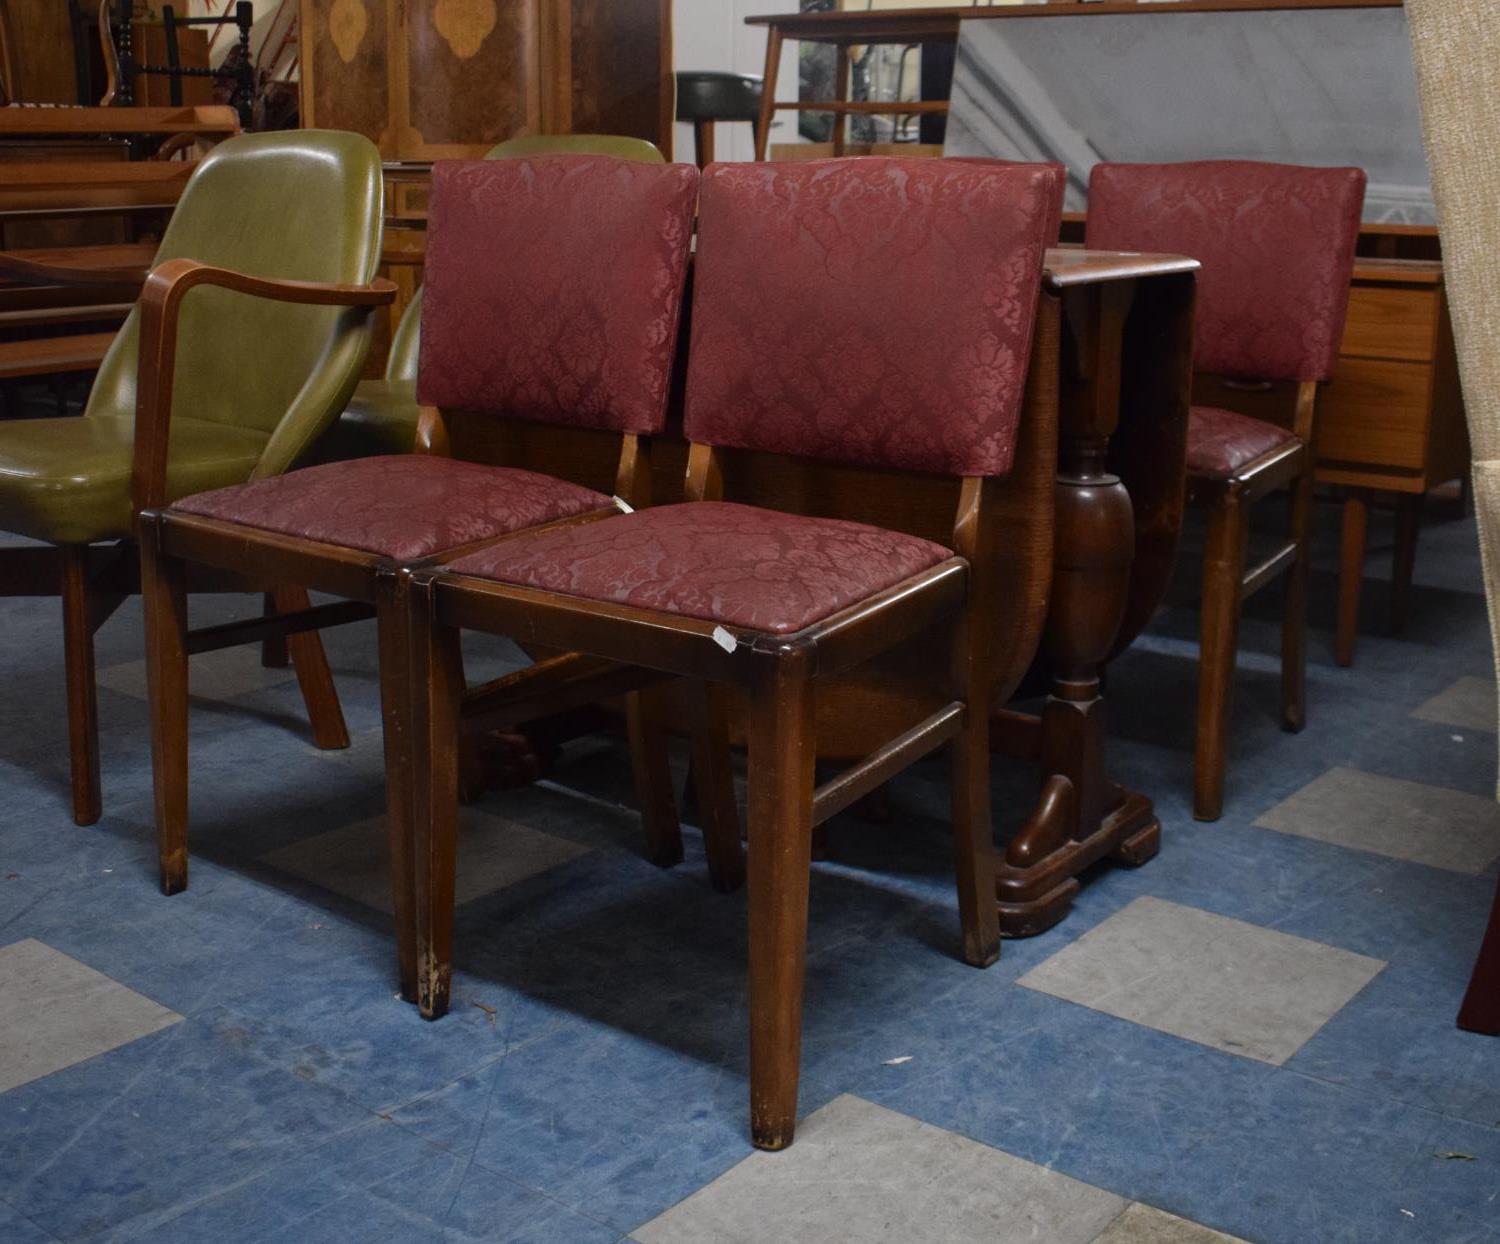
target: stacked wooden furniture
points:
(69, 184)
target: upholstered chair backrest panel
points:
(871, 311)
(1276, 242)
(553, 289)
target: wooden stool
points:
(705, 97)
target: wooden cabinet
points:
(438, 79)
(1392, 418)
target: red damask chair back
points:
(554, 287)
(792, 352)
(1055, 214)
(1276, 242)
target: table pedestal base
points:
(1033, 897)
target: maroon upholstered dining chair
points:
(793, 367)
(554, 290)
(1276, 242)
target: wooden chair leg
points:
(392, 612)
(781, 762)
(1481, 1007)
(164, 595)
(973, 838)
(1351, 575)
(83, 698)
(1294, 611)
(313, 676)
(437, 696)
(273, 653)
(713, 784)
(703, 142)
(1404, 559)
(651, 764)
(1223, 576)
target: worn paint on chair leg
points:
(391, 613)
(437, 694)
(781, 763)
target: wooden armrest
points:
(160, 306)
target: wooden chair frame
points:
(1227, 583)
(93, 582)
(175, 543)
(779, 676)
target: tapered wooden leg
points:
(273, 653)
(391, 619)
(1294, 611)
(83, 698)
(782, 754)
(1404, 559)
(1223, 575)
(164, 596)
(651, 765)
(1351, 575)
(1481, 1006)
(703, 142)
(313, 676)
(437, 696)
(973, 838)
(713, 784)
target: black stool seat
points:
(712, 95)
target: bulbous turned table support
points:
(1126, 384)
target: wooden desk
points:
(208, 120)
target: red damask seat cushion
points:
(872, 311)
(405, 506)
(553, 288)
(1221, 442)
(720, 562)
(1276, 242)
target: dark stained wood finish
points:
(83, 707)
(430, 80)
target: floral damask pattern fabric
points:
(404, 506)
(553, 288)
(735, 564)
(1220, 442)
(873, 311)
(1276, 242)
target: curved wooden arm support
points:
(160, 305)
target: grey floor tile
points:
(1224, 983)
(860, 1172)
(223, 675)
(492, 853)
(1468, 704)
(1392, 816)
(1140, 1224)
(56, 1011)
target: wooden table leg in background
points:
(1404, 559)
(1351, 573)
(768, 93)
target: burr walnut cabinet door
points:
(346, 68)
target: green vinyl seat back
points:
(297, 205)
(256, 380)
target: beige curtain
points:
(1456, 46)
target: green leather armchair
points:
(258, 378)
(382, 417)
